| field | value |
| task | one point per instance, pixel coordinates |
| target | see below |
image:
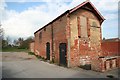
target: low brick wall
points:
(118, 62)
(103, 64)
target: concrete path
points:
(22, 65)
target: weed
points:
(31, 53)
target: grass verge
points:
(40, 57)
(14, 50)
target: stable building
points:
(73, 38)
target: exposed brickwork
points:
(40, 44)
(54, 30)
(59, 35)
(111, 48)
(105, 63)
(83, 46)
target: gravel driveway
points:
(22, 65)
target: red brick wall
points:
(40, 44)
(84, 48)
(110, 48)
(58, 35)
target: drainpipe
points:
(52, 43)
(68, 39)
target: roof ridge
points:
(83, 3)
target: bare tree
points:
(15, 42)
(1, 32)
(8, 40)
(1, 36)
(20, 41)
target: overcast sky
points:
(21, 18)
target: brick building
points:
(73, 38)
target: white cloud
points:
(104, 5)
(2, 7)
(2, 4)
(22, 1)
(24, 24)
(111, 16)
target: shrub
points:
(31, 53)
(39, 57)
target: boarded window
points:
(95, 31)
(83, 25)
(94, 24)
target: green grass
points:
(39, 57)
(12, 49)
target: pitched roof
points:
(88, 3)
(53, 21)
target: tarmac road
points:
(22, 65)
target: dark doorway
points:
(62, 53)
(48, 51)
